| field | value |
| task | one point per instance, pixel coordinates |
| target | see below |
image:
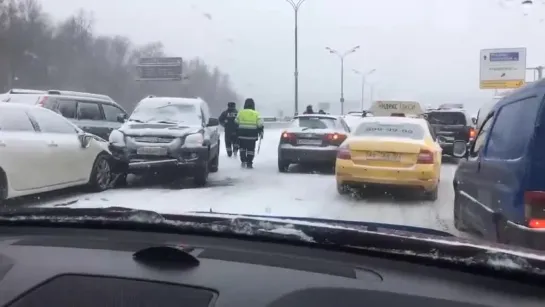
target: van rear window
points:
(447, 118)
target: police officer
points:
(250, 129)
(309, 110)
(227, 120)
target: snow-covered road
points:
(265, 191)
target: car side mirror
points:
(474, 120)
(84, 139)
(459, 149)
(122, 118)
(212, 122)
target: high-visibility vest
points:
(248, 119)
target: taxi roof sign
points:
(389, 108)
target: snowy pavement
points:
(265, 191)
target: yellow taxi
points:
(396, 147)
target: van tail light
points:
(534, 209)
(287, 137)
(343, 153)
(425, 157)
(42, 101)
(335, 138)
(472, 134)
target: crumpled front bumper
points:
(187, 159)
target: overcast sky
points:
(421, 49)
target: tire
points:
(432, 195)
(283, 166)
(342, 189)
(101, 174)
(215, 162)
(121, 181)
(3, 186)
(458, 223)
(201, 175)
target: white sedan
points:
(41, 151)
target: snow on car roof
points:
(170, 100)
(317, 115)
(392, 120)
(11, 105)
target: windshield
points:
(314, 123)
(182, 114)
(297, 144)
(447, 118)
(377, 129)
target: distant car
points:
(40, 151)
(93, 113)
(391, 151)
(169, 134)
(311, 138)
(451, 125)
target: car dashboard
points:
(41, 266)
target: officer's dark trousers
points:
(231, 141)
(247, 150)
(246, 142)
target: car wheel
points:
(214, 163)
(101, 174)
(283, 166)
(342, 188)
(458, 223)
(432, 195)
(3, 186)
(201, 175)
(121, 180)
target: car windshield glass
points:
(401, 130)
(315, 122)
(170, 113)
(447, 118)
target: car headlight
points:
(194, 140)
(117, 138)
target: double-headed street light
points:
(363, 76)
(296, 4)
(342, 56)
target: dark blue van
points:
(499, 186)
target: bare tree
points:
(38, 53)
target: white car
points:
(41, 151)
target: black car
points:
(93, 113)
(169, 135)
(451, 125)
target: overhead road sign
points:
(502, 68)
(160, 69)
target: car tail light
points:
(425, 157)
(287, 137)
(472, 134)
(534, 207)
(343, 153)
(42, 101)
(335, 138)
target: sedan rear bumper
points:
(307, 154)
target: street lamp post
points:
(363, 77)
(296, 4)
(341, 57)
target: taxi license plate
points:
(309, 142)
(152, 151)
(383, 156)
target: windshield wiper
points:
(136, 120)
(163, 122)
(456, 253)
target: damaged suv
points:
(168, 134)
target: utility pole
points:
(296, 4)
(363, 79)
(341, 57)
